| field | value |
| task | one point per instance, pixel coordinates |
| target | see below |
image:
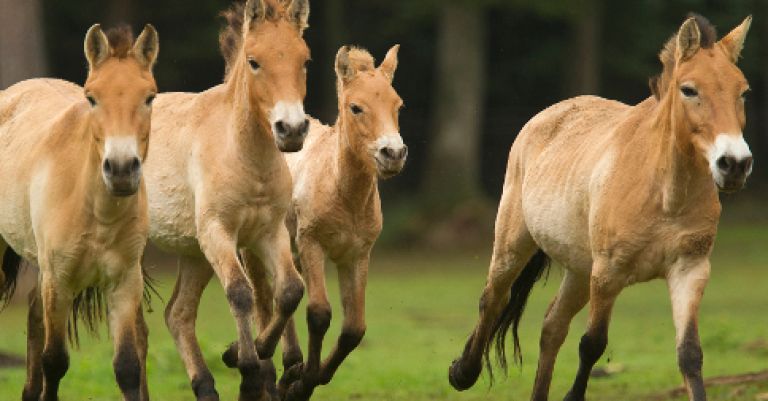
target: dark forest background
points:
(471, 72)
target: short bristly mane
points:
(231, 35)
(667, 55)
(120, 40)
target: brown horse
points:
(218, 183)
(336, 212)
(72, 201)
(618, 195)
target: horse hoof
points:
(230, 356)
(458, 377)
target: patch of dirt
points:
(733, 380)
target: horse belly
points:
(172, 218)
(556, 212)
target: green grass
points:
(422, 307)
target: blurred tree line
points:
(472, 72)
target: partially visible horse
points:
(618, 195)
(336, 212)
(218, 183)
(73, 202)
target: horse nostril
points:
(135, 164)
(388, 152)
(107, 167)
(725, 164)
(747, 164)
(404, 152)
(304, 127)
(280, 128)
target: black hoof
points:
(290, 376)
(299, 391)
(230, 356)
(459, 378)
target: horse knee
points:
(319, 317)
(55, 363)
(240, 296)
(127, 368)
(289, 297)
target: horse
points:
(336, 212)
(618, 195)
(218, 183)
(73, 202)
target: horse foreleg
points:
(573, 295)
(686, 288)
(275, 253)
(57, 305)
(124, 303)
(142, 334)
(35, 340)
(180, 316)
(220, 248)
(603, 292)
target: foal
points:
(618, 195)
(72, 201)
(336, 210)
(218, 183)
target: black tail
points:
(90, 308)
(11, 268)
(521, 289)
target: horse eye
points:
(150, 99)
(254, 65)
(355, 109)
(91, 100)
(689, 91)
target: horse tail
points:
(534, 270)
(11, 267)
(90, 308)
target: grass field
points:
(422, 307)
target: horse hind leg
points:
(180, 315)
(571, 298)
(513, 251)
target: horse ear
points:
(688, 40)
(344, 70)
(389, 65)
(298, 12)
(255, 10)
(734, 41)
(146, 47)
(96, 46)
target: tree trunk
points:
(452, 175)
(22, 42)
(587, 27)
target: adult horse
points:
(72, 201)
(618, 194)
(218, 183)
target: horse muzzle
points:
(732, 172)
(122, 175)
(290, 137)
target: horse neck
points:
(684, 181)
(252, 140)
(357, 185)
(98, 201)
